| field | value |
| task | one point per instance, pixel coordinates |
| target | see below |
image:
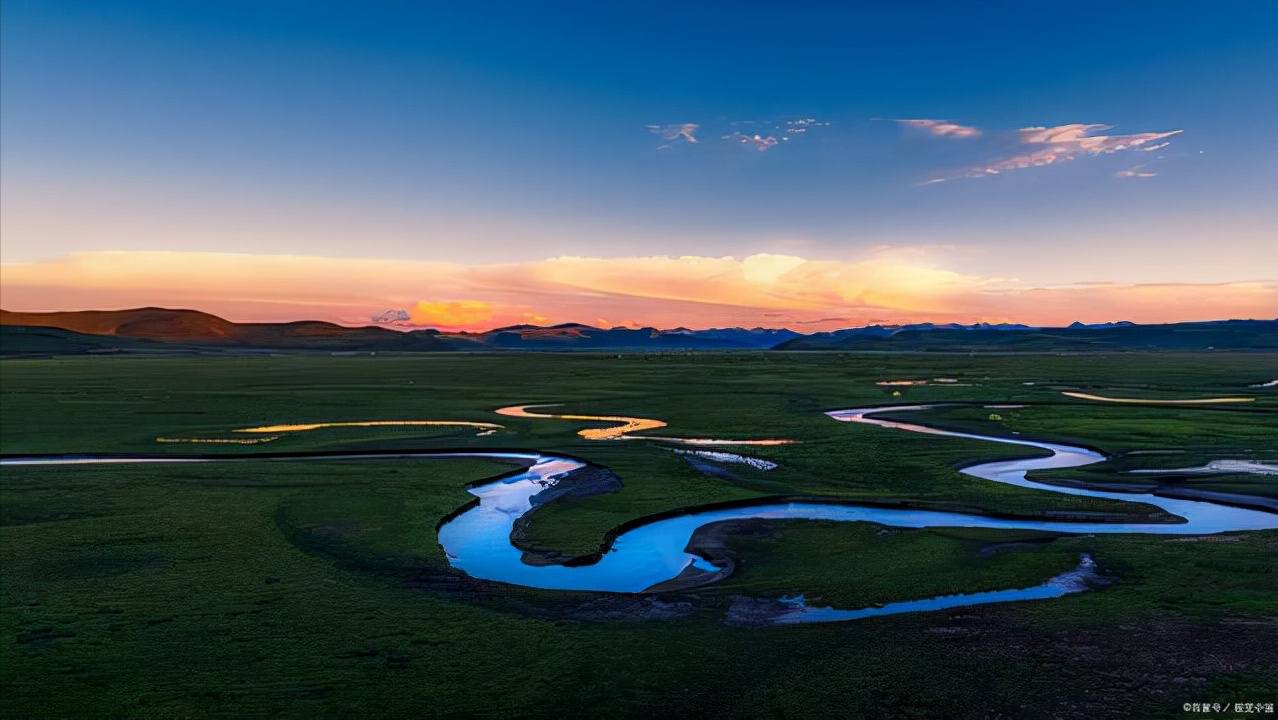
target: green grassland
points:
(291, 588)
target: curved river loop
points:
(477, 541)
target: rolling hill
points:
(191, 328)
(24, 341)
(155, 330)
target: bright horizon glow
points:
(472, 165)
(885, 287)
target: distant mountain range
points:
(1215, 335)
(572, 336)
(160, 330)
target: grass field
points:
(295, 589)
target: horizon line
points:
(400, 327)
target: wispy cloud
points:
(684, 132)
(1078, 136)
(1135, 172)
(765, 134)
(1062, 143)
(803, 125)
(943, 128)
(760, 142)
(760, 134)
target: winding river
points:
(477, 541)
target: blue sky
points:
(478, 133)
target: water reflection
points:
(1152, 401)
(478, 541)
(795, 610)
(628, 425)
(306, 427)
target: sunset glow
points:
(421, 166)
(661, 291)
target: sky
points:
(474, 164)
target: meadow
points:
(318, 589)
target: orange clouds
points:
(459, 313)
(886, 286)
(765, 282)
